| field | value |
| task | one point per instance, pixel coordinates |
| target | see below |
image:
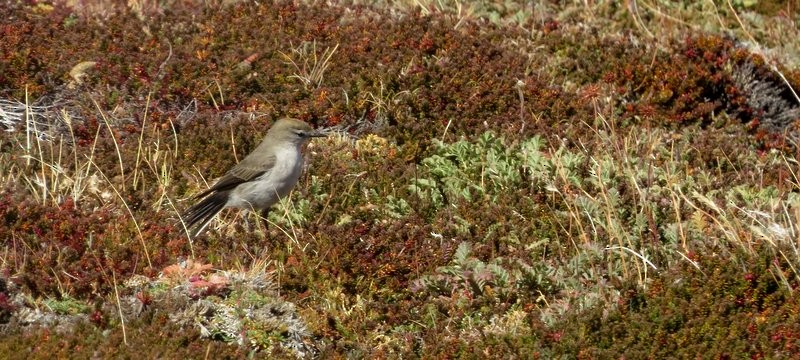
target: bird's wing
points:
(245, 171)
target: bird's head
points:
(294, 131)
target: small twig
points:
(160, 74)
(640, 256)
(114, 140)
(125, 203)
(141, 138)
(444, 133)
(119, 309)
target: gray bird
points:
(261, 179)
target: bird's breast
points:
(274, 184)
(288, 165)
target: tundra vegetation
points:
(544, 179)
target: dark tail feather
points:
(204, 211)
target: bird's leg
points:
(246, 221)
(264, 215)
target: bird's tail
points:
(201, 213)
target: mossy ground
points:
(509, 180)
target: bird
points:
(261, 179)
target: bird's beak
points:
(316, 133)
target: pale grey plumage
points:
(261, 179)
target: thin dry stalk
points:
(130, 212)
